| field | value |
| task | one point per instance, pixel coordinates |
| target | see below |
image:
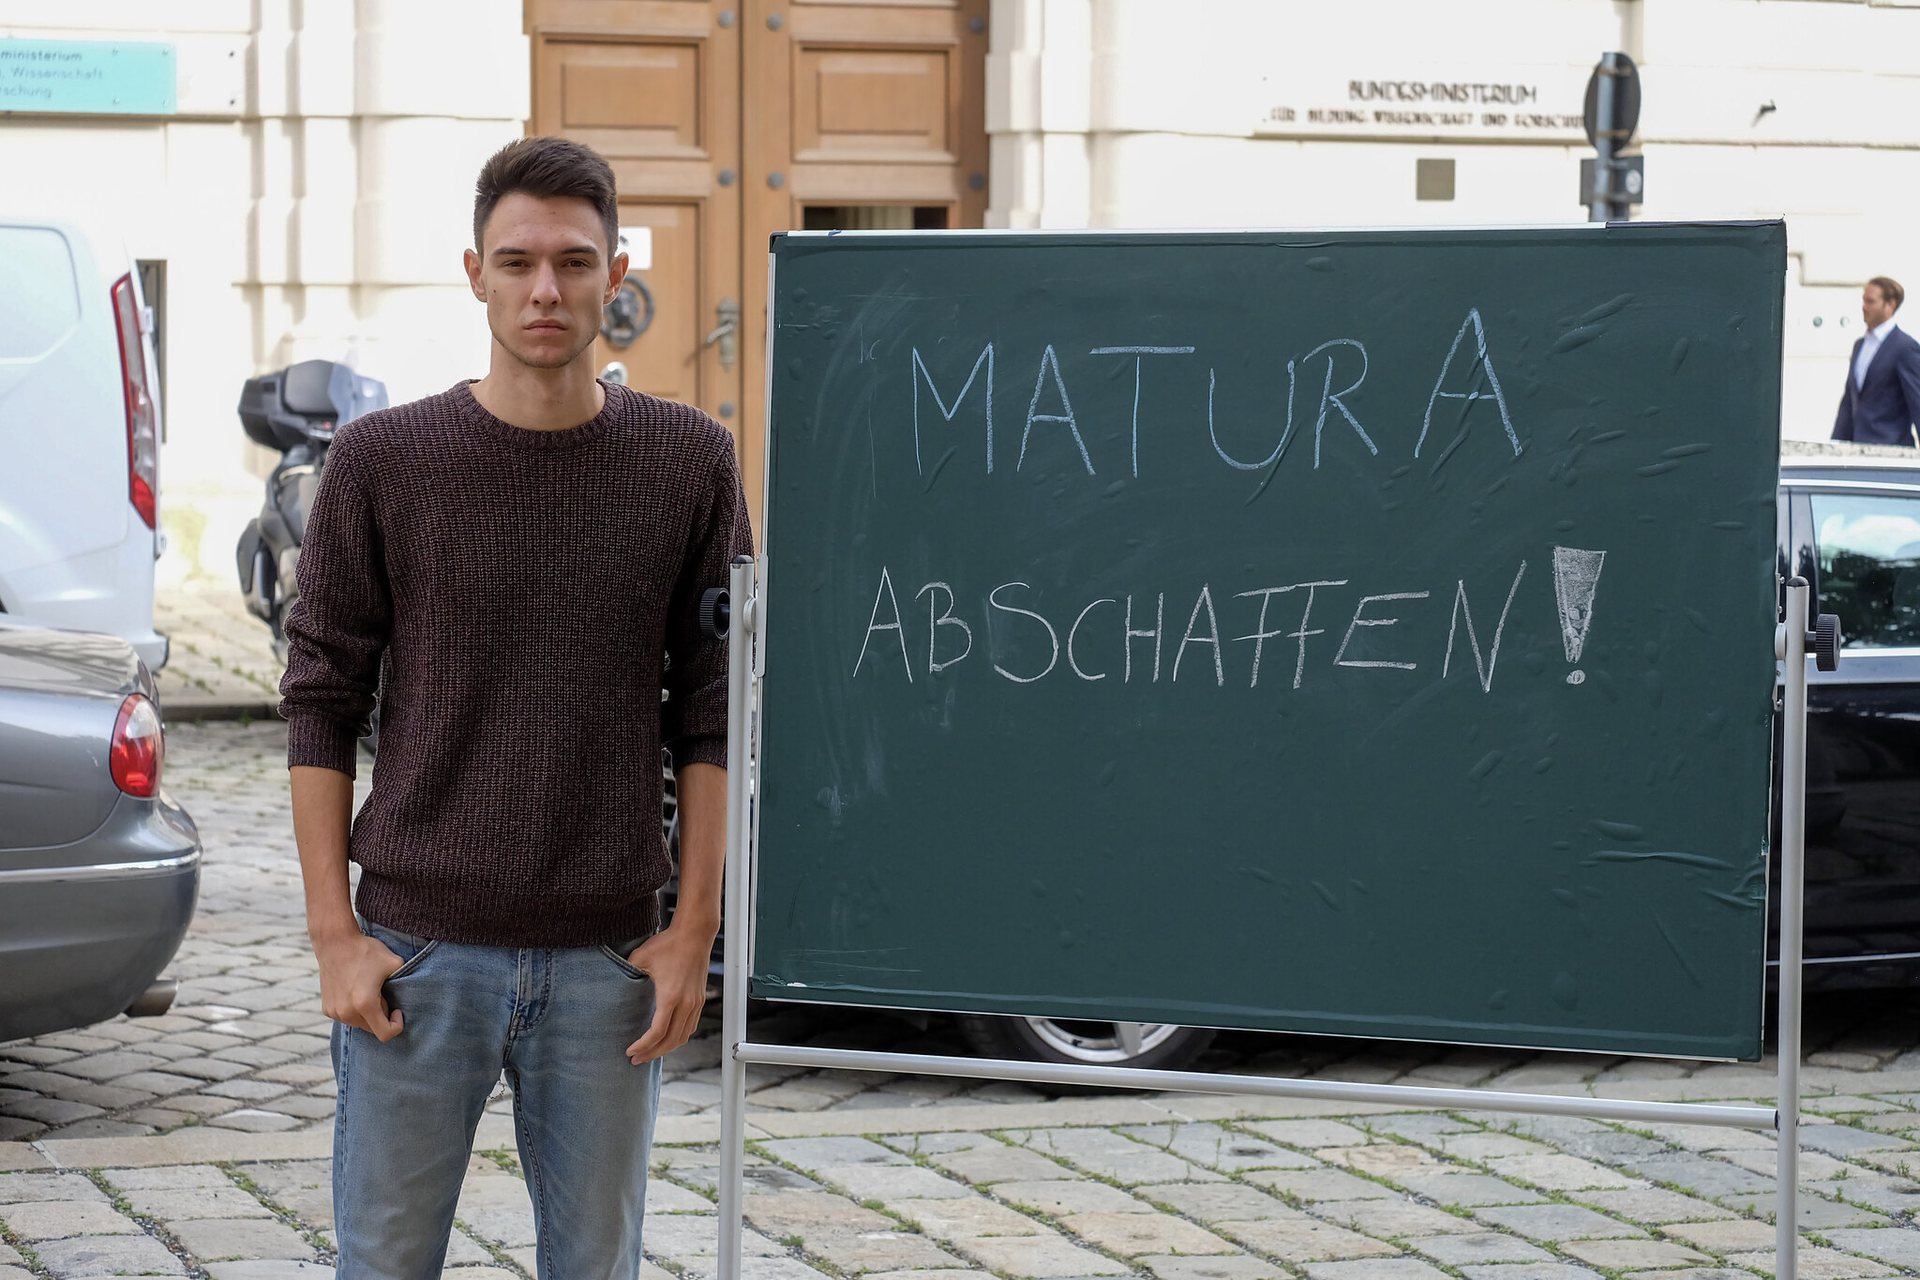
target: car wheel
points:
(1159, 1046)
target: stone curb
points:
(205, 1144)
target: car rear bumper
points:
(86, 928)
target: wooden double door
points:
(728, 120)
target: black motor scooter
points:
(295, 411)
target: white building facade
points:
(310, 191)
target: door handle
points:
(726, 333)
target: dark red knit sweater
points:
(525, 586)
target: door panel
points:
(654, 86)
(725, 121)
(849, 105)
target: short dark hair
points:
(1890, 290)
(547, 168)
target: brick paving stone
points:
(108, 1097)
(1481, 1246)
(1081, 1196)
(1700, 1175)
(270, 1270)
(1218, 1147)
(99, 1127)
(1487, 1146)
(1300, 1239)
(1818, 1264)
(1042, 1258)
(1654, 1205)
(689, 1236)
(1558, 1172)
(240, 1239)
(1467, 1189)
(854, 1252)
(303, 1073)
(1620, 1255)
(178, 1204)
(1390, 1160)
(24, 1188)
(1834, 1139)
(1312, 1186)
(946, 1219)
(102, 1067)
(161, 1083)
(50, 1111)
(1735, 1235)
(59, 1219)
(812, 1153)
(1308, 1135)
(90, 1256)
(38, 1052)
(497, 1209)
(1897, 1245)
(170, 1177)
(209, 1068)
(1133, 1235)
(1390, 1269)
(783, 1213)
(890, 1181)
(1530, 1271)
(668, 1197)
(1110, 1155)
(1555, 1222)
(161, 1119)
(998, 1163)
(249, 1090)
(1395, 1219)
(1815, 1214)
(1239, 1267)
(1207, 1202)
(305, 1108)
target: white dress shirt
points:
(1869, 347)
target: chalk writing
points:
(1091, 632)
(1460, 378)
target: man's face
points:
(544, 274)
(1875, 309)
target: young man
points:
(1881, 401)
(528, 552)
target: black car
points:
(1850, 524)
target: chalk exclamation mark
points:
(1576, 576)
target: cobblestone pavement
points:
(221, 659)
(196, 1144)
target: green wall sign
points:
(87, 77)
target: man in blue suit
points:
(1882, 401)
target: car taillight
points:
(143, 434)
(139, 746)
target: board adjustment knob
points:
(715, 614)
(1824, 641)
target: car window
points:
(1869, 549)
(39, 298)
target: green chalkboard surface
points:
(1365, 633)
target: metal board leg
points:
(1793, 848)
(733, 1000)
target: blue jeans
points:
(558, 1023)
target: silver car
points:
(99, 868)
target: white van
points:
(79, 434)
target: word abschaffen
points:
(1126, 638)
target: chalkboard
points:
(1365, 633)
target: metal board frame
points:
(746, 672)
